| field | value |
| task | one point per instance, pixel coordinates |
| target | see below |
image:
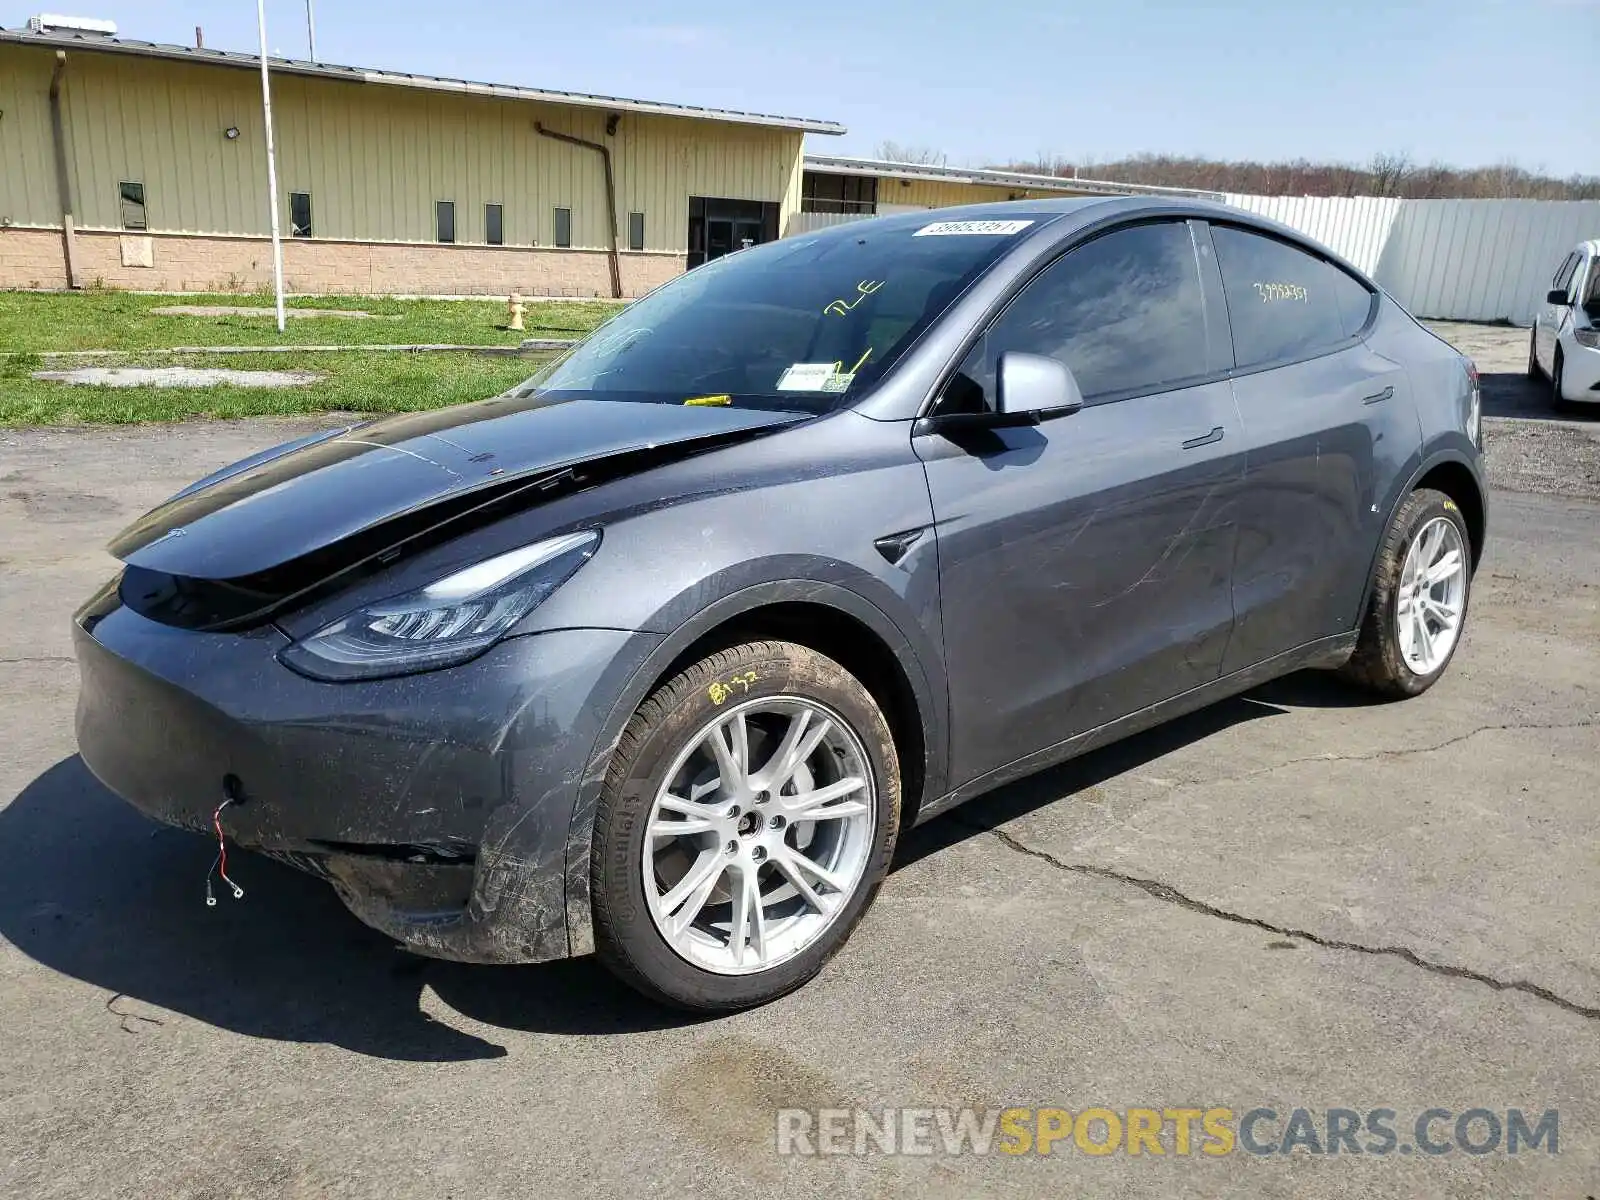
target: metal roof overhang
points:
(99, 43)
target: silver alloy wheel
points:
(760, 834)
(1432, 593)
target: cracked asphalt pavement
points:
(1297, 898)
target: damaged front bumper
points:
(437, 805)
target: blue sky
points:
(1468, 82)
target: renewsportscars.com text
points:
(1207, 1132)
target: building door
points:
(719, 238)
(718, 226)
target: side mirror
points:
(1029, 389)
(1032, 383)
(1558, 297)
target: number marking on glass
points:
(1280, 291)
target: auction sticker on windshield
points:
(951, 228)
(808, 377)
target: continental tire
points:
(1420, 593)
(746, 822)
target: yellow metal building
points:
(833, 187)
(131, 164)
(137, 165)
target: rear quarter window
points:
(1284, 303)
(1354, 300)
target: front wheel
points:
(1419, 598)
(747, 819)
(1557, 386)
(1533, 355)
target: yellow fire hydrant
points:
(514, 310)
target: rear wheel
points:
(1419, 598)
(747, 820)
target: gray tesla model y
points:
(657, 654)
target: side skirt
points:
(1325, 652)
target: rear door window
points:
(1124, 312)
(1283, 303)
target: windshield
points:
(803, 324)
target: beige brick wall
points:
(32, 258)
(192, 263)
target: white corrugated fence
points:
(1463, 260)
(1356, 227)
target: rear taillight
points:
(1474, 405)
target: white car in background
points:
(1565, 347)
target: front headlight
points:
(444, 623)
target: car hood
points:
(296, 515)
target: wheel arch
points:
(832, 620)
(1451, 471)
(1457, 481)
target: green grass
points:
(357, 382)
(103, 320)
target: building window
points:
(493, 225)
(444, 220)
(133, 213)
(635, 231)
(820, 192)
(300, 214)
(563, 227)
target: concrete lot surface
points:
(1294, 899)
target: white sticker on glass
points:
(806, 377)
(950, 228)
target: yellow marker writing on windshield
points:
(724, 398)
(866, 287)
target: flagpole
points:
(272, 163)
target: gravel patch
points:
(1531, 445)
(177, 377)
(1497, 349)
(1550, 458)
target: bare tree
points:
(921, 155)
(1385, 175)
(1389, 173)
(1430, 182)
